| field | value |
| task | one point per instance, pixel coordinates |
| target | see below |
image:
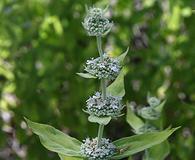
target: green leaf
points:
(62, 157)
(137, 143)
(159, 108)
(122, 56)
(117, 87)
(55, 140)
(158, 152)
(134, 121)
(100, 120)
(86, 75)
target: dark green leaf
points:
(158, 152)
(137, 143)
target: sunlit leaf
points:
(122, 56)
(117, 87)
(55, 140)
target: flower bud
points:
(153, 101)
(90, 150)
(99, 107)
(107, 68)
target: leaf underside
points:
(99, 120)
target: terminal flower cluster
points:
(90, 150)
(97, 106)
(108, 68)
(95, 23)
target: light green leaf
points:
(117, 87)
(134, 121)
(62, 157)
(159, 108)
(137, 143)
(158, 152)
(86, 75)
(55, 140)
(100, 120)
(122, 56)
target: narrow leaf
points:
(122, 56)
(117, 87)
(159, 108)
(86, 75)
(137, 143)
(100, 120)
(134, 121)
(55, 140)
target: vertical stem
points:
(100, 134)
(103, 89)
(99, 45)
(147, 156)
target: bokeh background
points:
(43, 45)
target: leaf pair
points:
(56, 141)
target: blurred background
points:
(43, 45)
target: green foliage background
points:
(43, 45)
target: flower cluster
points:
(108, 68)
(149, 113)
(153, 101)
(90, 150)
(97, 106)
(95, 23)
(146, 128)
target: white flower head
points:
(153, 101)
(90, 150)
(97, 106)
(108, 68)
(95, 23)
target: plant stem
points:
(103, 89)
(100, 134)
(99, 45)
